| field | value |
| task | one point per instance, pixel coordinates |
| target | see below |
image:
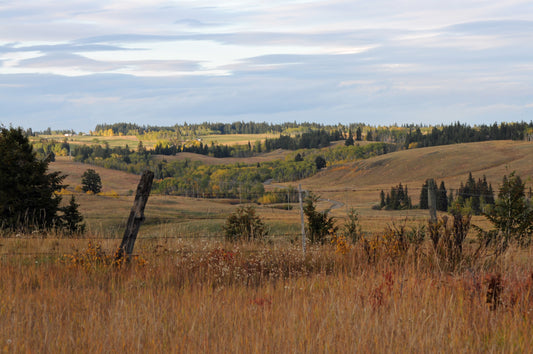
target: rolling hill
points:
(355, 184)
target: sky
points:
(78, 63)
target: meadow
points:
(188, 290)
(183, 296)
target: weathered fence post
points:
(136, 215)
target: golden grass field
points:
(214, 297)
(132, 141)
(190, 293)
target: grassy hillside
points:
(450, 163)
(356, 184)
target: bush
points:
(352, 228)
(244, 224)
(319, 224)
(320, 162)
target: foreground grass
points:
(212, 297)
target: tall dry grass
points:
(216, 297)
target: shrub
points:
(244, 224)
(352, 228)
(448, 239)
(319, 224)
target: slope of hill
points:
(358, 183)
(450, 163)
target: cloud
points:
(87, 62)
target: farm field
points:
(132, 140)
(188, 290)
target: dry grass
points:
(212, 297)
(209, 160)
(202, 295)
(359, 183)
(356, 185)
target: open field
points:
(114, 141)
(236, 139)
(190, 291)
(132, 141)
(215, 297)
(209, 160)
(356, 185)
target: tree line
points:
(463, 133)
(473, 197)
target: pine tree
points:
(442, 198)
(358, 134)
(349, 141)
(423, 204)
(72, 218)
(27, 198)
(91, 181)
(512, 215)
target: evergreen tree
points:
(424, 196)
(349, 141)
(475, 194)
(320, 162)
(358, 134)
(512, 216)
(442, 198)
(382, 203)
(27, 198)
(72, 218)
(319, 224)
(91, 181)
(397, 199)
(450, 198)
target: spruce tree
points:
(512, 216)
(27, 198)
(442, 198)
(349, 141)
(72, 218)
(91, 181)
(358, 134)
(423, 204)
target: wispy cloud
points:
(84, 62)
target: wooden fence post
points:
(136, 215)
